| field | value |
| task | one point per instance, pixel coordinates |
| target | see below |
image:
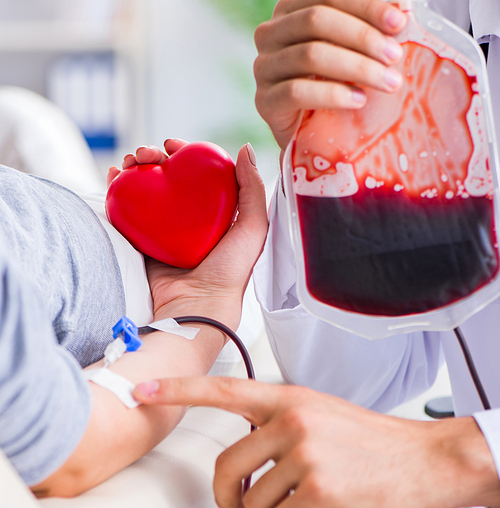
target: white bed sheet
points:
(178, 473)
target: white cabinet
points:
(89, 57)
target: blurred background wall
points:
(133, 72)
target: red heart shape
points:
(176, 212)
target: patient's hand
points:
(215, 288)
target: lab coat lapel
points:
(485, 16)
(485, 19)
(494, 78)
(457, 11)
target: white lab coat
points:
(382, 374)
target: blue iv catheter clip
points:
(128, 332)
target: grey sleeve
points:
(45, 403)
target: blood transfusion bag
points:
(394, 207)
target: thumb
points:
(252, 211)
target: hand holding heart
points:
(178, 210)
(218, 283)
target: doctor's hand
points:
(347, 44)
(330, 453)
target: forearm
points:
(117, 436)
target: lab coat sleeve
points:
(375, 374)
(489, 423)
(485, 15)
(45, 403)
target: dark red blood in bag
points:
(395, 256)
(395, 200)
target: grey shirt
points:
(61, 292)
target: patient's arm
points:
(117, 436)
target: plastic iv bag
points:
(393, 207)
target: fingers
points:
(255, 401)
(321, 23)
(128, 161)
(323, 41)
(172, 145)
(245, 239)
(150, 155)
(301, 498)
(248, 455)
(274, 487)
(331, 62)
(144, 155)
(113, 172)
(346, 44)
(377, 13)
(306, 94)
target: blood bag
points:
(394, 207)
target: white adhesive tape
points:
(170, 325)
(115, 383)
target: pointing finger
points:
(257, 402)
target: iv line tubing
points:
(472, 369)
(242, 349)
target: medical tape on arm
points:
(115, 383)
(170, 325)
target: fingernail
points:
(394, 18)
(251, 155)
(393, 51)
(393, 78)
(358, 96)
(148, 389)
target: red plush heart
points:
(176, 212)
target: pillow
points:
(37, 137)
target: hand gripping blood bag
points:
(394, 207)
